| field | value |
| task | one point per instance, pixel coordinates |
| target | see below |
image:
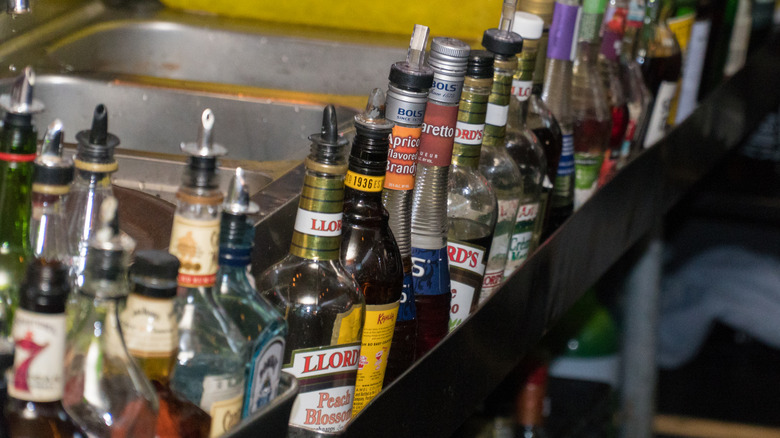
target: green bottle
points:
(18, 143)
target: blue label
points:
(566, 164)
(430, 271)
(407, 311)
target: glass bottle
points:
(694, 60)
(524, 147)
(105, 391)
(496, 165)
(18, 143)
(543, 9)
(430, 268)
(212, 354)
(261, 326)
(659, 55)
(637, 94)
(557, 95)
(51, 182)
(471, 201)
(151, 335)
(94, 162)
(319, 299)
(407, 94)
(530, 401)
(36, 384)
(368, 249)
(592, 121)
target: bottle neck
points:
(47, 227)
(523, 82)
(504, 68)
(18, 139)
(471, 124)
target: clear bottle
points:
(430, 268)
(51, 182)
(94, 162)
(18, 142)
(261, 326)
(592, 121)
(319, 299)
(151, 336)
(496, 165)
(407, 94)
(693, 62)
(557, 95)
(105, 391)
(530, 401)
(212, 354)
(543, 9)
(524, 147)
(34, 404)
(471, 201)
(368, 249)
(637, 94)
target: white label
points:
(469, 133)
(445, 91)
(694, 63)
(466, 257)
(460, 303)
(38, 357)
(225, 414)
(518, 252)
(326, 410)
(318, 224)
(656, 129)
(496, 114)
(340, 358)
(490, 283)
(149, 326)
(266, 372)
(527, 212)
(522, 89)
(222, 388)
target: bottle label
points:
(225, 413)
(467, 265)
(497, 115)
(522, 89)
(438, 135)
(692, 70)
(149, 326)
(264, 374)
(318, 224)
(520, 244)
(326, 380)
(364, 183)
(402, 157)
(681, 27)
(563, 179)
(401, 111)
(586, 176)
(494, 272)
(407, 310)
(498, 108)
(430, 271)
(317, 229)
(656, 128)
(444, 91)
(374, 350)
(469, 133)
(38, 374)
(196, 244)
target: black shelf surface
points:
(443, 388)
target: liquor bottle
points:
(36, 384)
(530, 401)
(723, 18)
(557, 95)
(319, 299)
(693, 62)
(659, 55)
(495, 163)
(368, 249)
(430, 268)
(52, 176)
(524, 147)
(543, 9)
(94, 162)
(740, 37)
(590, 110)
(471, 201)
(261, 326)
(212, 354)
(18, 142)
(151, 336)
(106, 393)
(407, 94)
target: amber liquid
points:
(39, 420)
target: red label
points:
(438, 135)
(17, 158)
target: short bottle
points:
(105, 391)
(260, 324)
(36, 384)
(530, 401)
(151, 335)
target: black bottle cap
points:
(502, 42)
(480, 64)
(154, 273)
(328, 146)
(402, 75)
(201, 171)
(97, 145)
(45, 288)
(369, 148)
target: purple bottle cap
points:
(563, 30)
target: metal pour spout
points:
(21, 101)
(237, 201)
(204, 145)
(52, 140)
(17, 7)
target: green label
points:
(586, 176)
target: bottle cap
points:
(154, 273)
(51, 169)
(502, 42)
(480, 64)
(328, 147)
(369, 148)
(202, 164)
(20, 100)
(528, 26)
(449, 55)
(413, 73)
(45, 288)
(96, 145)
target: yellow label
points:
(196, 244)
(374, 350)
(225, 414)
(681, 27)
(347, 327)
(364, 183)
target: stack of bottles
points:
(468, 161)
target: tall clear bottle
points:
(638, 95)
(430, 268)
(590, 109)
(212, 353)
(524, 148)
(261, 326)
(105, 391)
(37, 383)
(471, 201)
(407, 94)
(557, 95)
(368, 249)
(18, 143)
(319, 299)
(495, 163)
